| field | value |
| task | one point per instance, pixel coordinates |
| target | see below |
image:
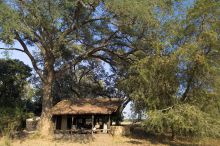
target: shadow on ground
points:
(135, 142)
(137, 137)
(78, 138)
(137, 133)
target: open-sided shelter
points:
(85, 114)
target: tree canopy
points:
(178, 84)
(13, 78)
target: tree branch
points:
(90, 6)
(166, 108)
(88, 54)
(107, 60)
(12, 49)
(84, 74)
(26, 51)
(125, 101)
(189, 84)
(74, 27)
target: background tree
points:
(13, 78)
(13, 95)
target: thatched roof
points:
(86, 106)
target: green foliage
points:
(143, 10)
(12, 119)
(155, 78)
(185, 120)
(7, 17)
(176, 80)
(137, 112)
(13, 75)
(87, 81)
(14, 93)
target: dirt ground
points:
(99, 140)
(81, 140)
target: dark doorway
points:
(69, 122)
(58, 122)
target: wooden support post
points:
(76, 122)
(109, 121)
(55, 124)
(92, 123)
(71, 130)
(72, 121)
(64, 122)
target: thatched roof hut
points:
(86, 106)
(83, 113)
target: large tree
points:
(62, 34)
(178, 84)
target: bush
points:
(12, 119)
(183, 120)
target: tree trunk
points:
(120, 110)
(118, 120)
(46, 122)
(173, 136)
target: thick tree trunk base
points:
(45, 127)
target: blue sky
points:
(16, 54)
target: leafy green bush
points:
(12, 119)
(184, 120)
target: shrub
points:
(12, 119)
(183, 120)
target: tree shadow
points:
(139, 133)
(78, 138)
(23, 135)
(135, 142)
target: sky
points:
(16, 54)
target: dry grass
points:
(103, 140)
